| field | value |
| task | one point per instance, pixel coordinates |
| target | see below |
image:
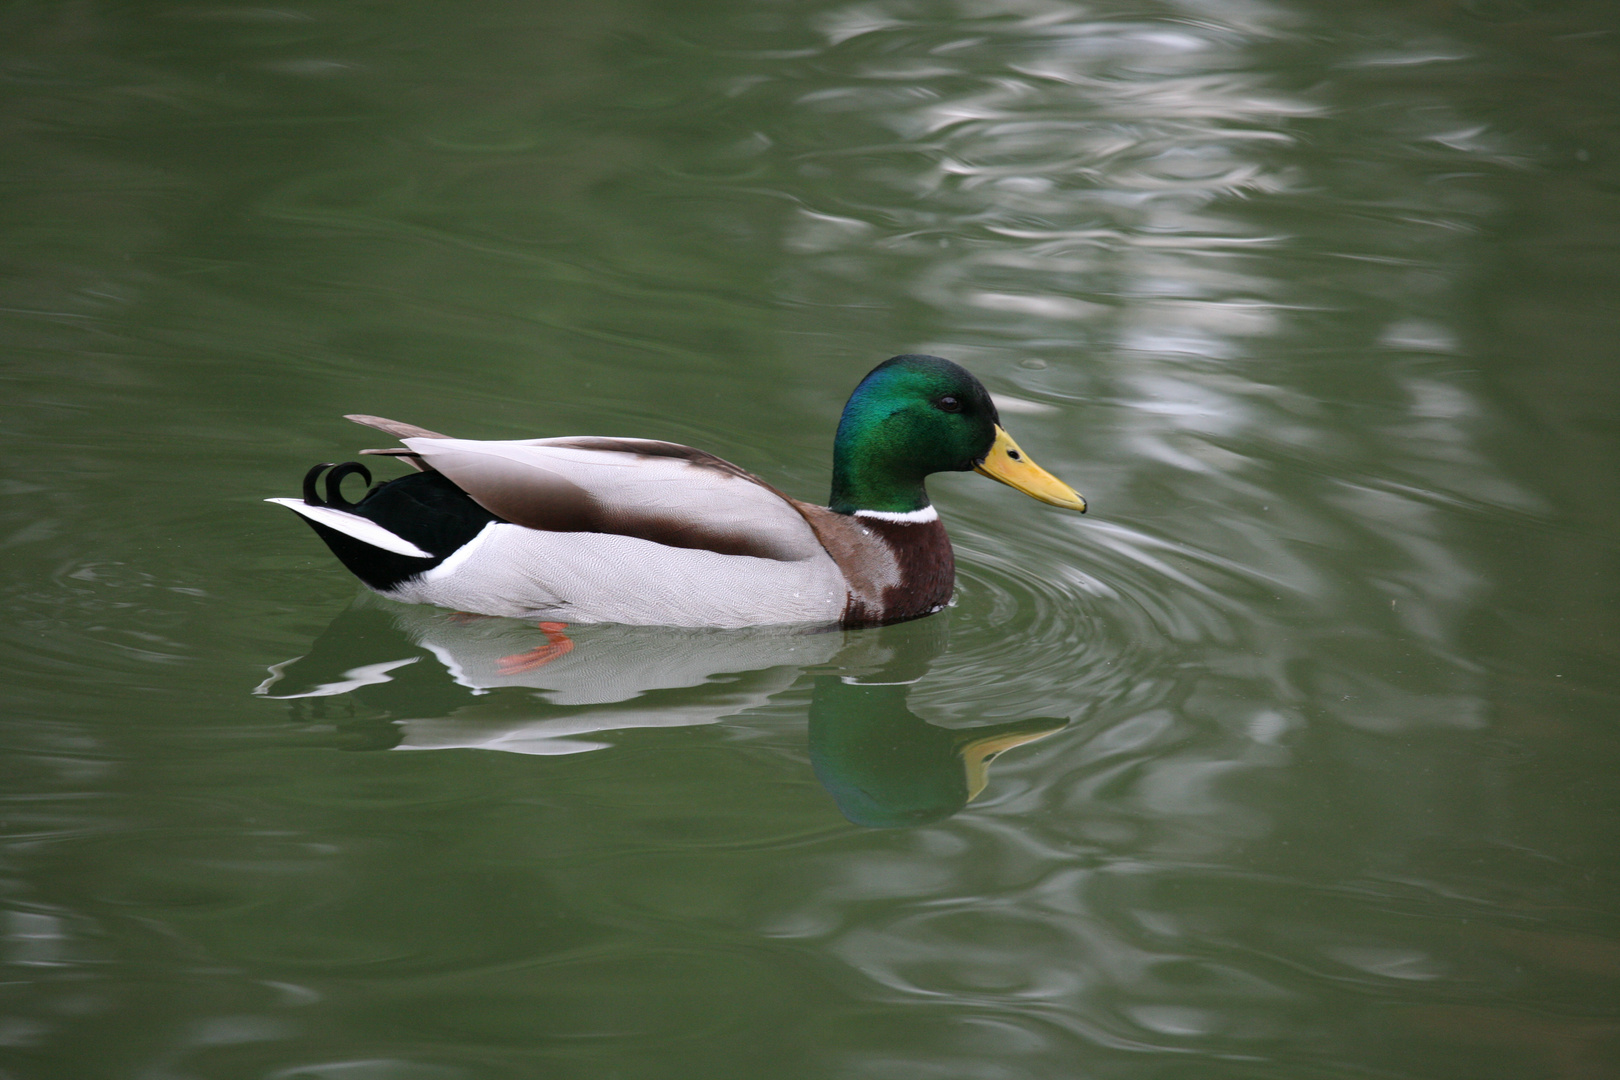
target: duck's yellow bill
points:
(1010, 465)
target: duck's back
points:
(659, 491)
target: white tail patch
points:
(355, 527)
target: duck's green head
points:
(916, 415)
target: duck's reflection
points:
(402, 677)
(885, 766)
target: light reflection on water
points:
(1228, 258)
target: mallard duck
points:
(589, 529)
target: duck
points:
(593, 529)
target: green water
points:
(1315, 302)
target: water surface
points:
(1306, 741)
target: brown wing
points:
(663, 492)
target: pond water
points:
(1306, 734)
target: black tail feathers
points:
(424, 508)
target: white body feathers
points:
(598, 577)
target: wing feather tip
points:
(393, 427)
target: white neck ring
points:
(910, 517)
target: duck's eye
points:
(949, 404)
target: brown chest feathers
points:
(895, 570)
